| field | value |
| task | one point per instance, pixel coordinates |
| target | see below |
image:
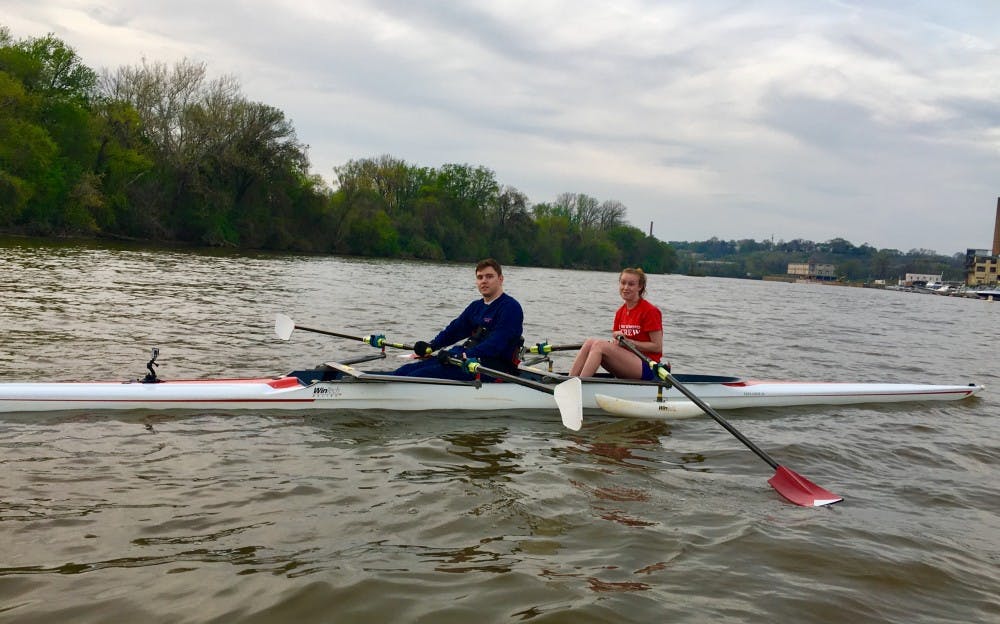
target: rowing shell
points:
(339, 386)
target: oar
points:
(792, 486)
(544, 347)
(284, 326)
(568, 394)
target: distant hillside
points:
(754, 259)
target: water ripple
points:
(438, 517)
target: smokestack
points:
(996, 231)
(994, 244)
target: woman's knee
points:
(604, 347)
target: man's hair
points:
(489, 262)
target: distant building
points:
(921, 279)
(981, 265)
(812, 270)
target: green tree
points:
(122, 160)
(46, 135)
(27, 151)
(880, 264)
(222, 163)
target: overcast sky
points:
(870, 120)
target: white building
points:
(921, 279)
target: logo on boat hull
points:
(326, 392)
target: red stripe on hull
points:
(166, 400)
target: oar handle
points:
(663, 373)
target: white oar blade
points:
(283, 326)
(569, 399)
(651, 410)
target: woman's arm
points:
(653, 345)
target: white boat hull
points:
(650, 410)
(381, 392)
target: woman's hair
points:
(638, 273)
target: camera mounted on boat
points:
(151, 375)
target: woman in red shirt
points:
(637, 320)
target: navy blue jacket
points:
(497, 348)
(503, 323)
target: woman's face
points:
(628, 287)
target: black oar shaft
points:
(705, 407)
(792, 486)
(327, 332)
(508, 377)
(722, 421)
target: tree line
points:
(166, 153)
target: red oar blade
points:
(800, 490)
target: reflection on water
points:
(625, 442)
(383, 516)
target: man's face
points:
(490, 284)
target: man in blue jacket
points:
(490, 329)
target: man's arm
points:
(458, 329)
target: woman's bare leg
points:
(617, 360)
(622, 363)
(581, 357)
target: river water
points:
(497, 517)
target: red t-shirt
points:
(636, 323)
